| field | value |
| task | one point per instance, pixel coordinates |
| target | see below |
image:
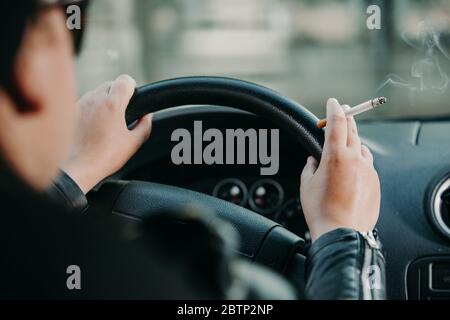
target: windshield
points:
(308, 50)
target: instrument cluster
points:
(267, 197)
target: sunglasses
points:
(71, 8)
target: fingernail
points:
(128, 77)
(332, 100)
(332, 105)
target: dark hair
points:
(14, 16)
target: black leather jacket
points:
(67, 193)
(342, 264)
(345, 264)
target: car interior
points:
(409, 141)
(410, 157)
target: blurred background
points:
(308, 50)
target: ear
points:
(23, 86)
(23, 102)
(19, 86)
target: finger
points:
(309, 169)
(336, 130)
(122, 89)
(142, 130)
(353, 140)
(366, 154)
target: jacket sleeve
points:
(346, 264)
(64, 191)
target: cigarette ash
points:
(426, 73)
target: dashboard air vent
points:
(440, 211)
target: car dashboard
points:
(274, 198)
(412, 159)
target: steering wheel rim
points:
(228, 92)
(262, 240)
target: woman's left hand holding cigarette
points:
(343, 191)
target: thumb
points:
(143, 128)
(309, 169)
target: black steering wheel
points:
(262, 240)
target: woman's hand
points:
(103, 141)
(343, 191)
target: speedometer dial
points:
(231, 190)
(266, 196)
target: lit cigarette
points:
(360, 108)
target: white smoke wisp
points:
(426, 73)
